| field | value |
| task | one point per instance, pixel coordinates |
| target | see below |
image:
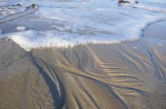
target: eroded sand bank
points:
(129, 75)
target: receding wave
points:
(82, 22)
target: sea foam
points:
(94, 21)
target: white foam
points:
(21, 28)
(84, 22)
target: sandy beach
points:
(128, 75)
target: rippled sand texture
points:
(106, 78)
(113, 76)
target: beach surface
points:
(127, 75)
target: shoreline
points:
(143, 35)
(108, 28)
(129, 75)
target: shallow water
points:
(84, 21)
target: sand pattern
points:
(126, 75)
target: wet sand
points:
(129, 75)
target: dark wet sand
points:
(129, 75)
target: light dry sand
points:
(130, 75)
